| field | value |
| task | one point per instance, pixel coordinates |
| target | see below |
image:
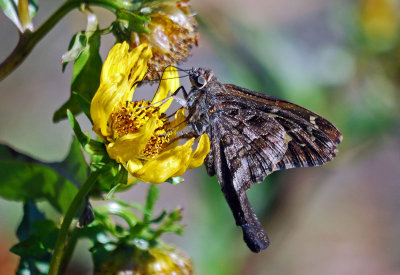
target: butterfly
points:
(252, 135)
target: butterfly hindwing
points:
(243, 153)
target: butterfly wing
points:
(243, 153)
(253, 135)
(311, 139)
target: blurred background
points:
(340, 59)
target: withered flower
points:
(173, 35)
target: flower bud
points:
(162, 259)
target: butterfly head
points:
(200, 77)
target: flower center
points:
(129, 119)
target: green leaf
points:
(86, 70)
(170, 224)
(24, 178)
(92, 147)
(118, 210)
(74, 166)
(37, 238)
(152, 196)
(159, 218)
(40, 243)
(31, 215)
(82, 138)
(84, 104)
(75, 48)
(113, 178)
(26, 230)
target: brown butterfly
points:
(253, 135)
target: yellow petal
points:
(201, 152)
(169, 84)
(179, 122)
(169, 163)
(130, 146)
(120, 70)
(133, 165)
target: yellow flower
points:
(138, 134)
(380, 19)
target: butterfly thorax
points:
(203, 99)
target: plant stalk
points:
(62, 235)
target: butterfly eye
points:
(200, 82)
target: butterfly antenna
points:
(182, 70)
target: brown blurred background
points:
(341, 59)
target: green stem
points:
(62, 235)
(69, 250)
(28, 40)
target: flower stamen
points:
(132, 116)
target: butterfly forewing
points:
(311, 139)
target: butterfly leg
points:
(181, 101)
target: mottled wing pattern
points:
(311, 139)
(244, 151)
(253, 135)
(252, 143)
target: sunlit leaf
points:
(75, 48)
(86, 69)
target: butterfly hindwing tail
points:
(253, 232)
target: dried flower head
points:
(173, 35)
